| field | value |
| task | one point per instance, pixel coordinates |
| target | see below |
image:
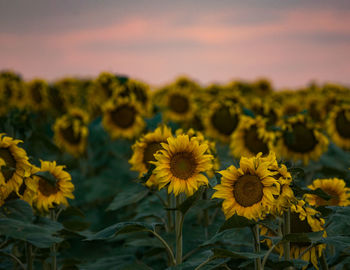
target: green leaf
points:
(299, 192)
(123, 227)
(236, 222)
(224, 253)
(186, 205)
(304, 237)
(126, 197)
(48, 177)
(17, 209)
(248, 112)
(148, 174)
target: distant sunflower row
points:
(43, 188)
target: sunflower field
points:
(109, 173)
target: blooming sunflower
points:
(291, 106)
(16, 164)
(249, 190)
(221, 120)
(70, 132)
(178, 103)
(251, 138)
(339, 126)
(54, 186)
(336, 188)
(11, 89)
(122, 118)
(303, 220)
(144, 150)
(36, 94)
(180, 164)
(300, 140)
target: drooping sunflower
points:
(123, 118)
(180, 164)
(300, 140)
(36, 94)
(303, 220)
(178, 104)
(16, 164)
(249, 190)
(339, 126)
(54, 186)
(251, 138)
(71, 131)
(221, 120)
(144, 150)
(334, 187)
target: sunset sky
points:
(290, 42)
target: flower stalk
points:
(53, 248)
(255, 230)
(178, 230)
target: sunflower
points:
(249, 190)
(70, 132)
(36, 94)
(221, 120)
(291, 106)
(70, 89)
(181, 163)
(339, 126)
(251, 138)
(54, 186)
(57, 103)
(334, 187)
(16, 164)
(11, 89)
(122, 118)
(144, 150)
(303, 220)
(300, 140)
(178, 104)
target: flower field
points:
(109, 173)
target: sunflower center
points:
(179, 103)
(37, 97)
(291, 110)
(70, 136)
(299, 226)
(148, 154)
(342, 124)
(248, 190)
(224, 121)
(10, 161)
(124, 116)
(46, 188)
(183, 165)
(301, 139)
(334, 198)
(254, 143)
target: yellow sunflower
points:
(300, 140)
(303, 220)
(251, 138)
(122, 118)
(11, 89)
(249, 190)
(336, 188)
(71, 131)
(339, 126)
(221, 120)
(37, 94)
(180, 164)
(178, 104)
(291, 106)
(54, 186)
(16, 164)
(144, 150)
(57, 103)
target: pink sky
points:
(298, 46)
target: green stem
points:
(170, 213)
(53, 248)
(29, 252)
(323, 262)
(202, 264)
(255, 230)
(266, 256)
(168, 249)
(205, 216)
(178, 230)
(286, 230)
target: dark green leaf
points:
(186, 205)
(236, 222)
(148, 174)
(126, 197)
(223, 253)
(248, 112)
(17, 209)
(304, 237)
(48, 177)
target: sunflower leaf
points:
(148, 174)
(186, 205)
(48, 177)
(236, 222)
(224, 253)
(127, 197)
(248, 112)
(303, 237)
(299, 192)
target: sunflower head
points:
(54, 186)
(37, 91)
(178, 104)
(249, 190)
(339, 125)
(180, 164)
(334, 187)
(145, 148)
(123, 118)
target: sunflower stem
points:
(255, 230)
(206, 216)
(168, 249)
(29, 253)
(178, 230)
(323, 261)
(286, 230)
(53, 248)
(170, 213)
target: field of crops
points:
(109, 173)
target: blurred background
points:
(291, 43)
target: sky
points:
(290, 42)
